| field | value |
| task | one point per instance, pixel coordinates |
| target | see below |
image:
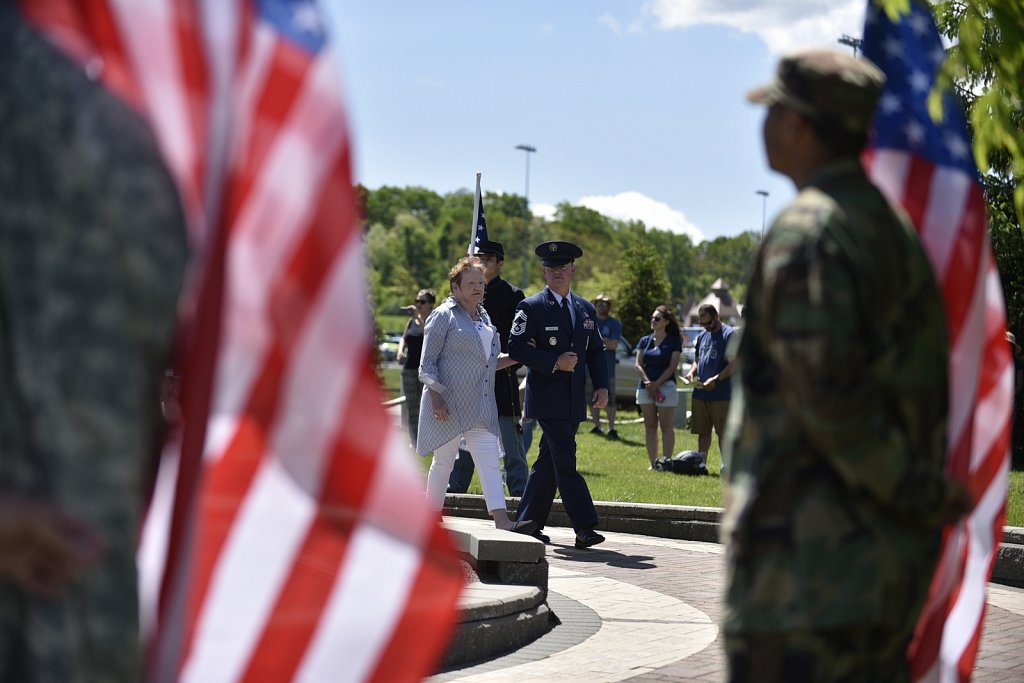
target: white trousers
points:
(484, 448)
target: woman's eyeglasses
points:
(422, 301)
(656, 318)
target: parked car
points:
(388, 347)
(689, 344)
(626, 375)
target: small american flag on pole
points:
(288, 537)
(479, 233)
(927, 167)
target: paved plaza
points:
(639, 608)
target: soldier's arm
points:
(827, 381)
(597, 364)
(523, 346)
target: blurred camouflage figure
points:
(91, 260)
(837, 427)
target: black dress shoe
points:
(542, 537)
(527, 526)
(587, 538)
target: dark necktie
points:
(567, 318)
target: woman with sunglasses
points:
(656, 395)
(409, 349)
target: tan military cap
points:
(831, 87)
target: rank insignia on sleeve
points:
(519, 323)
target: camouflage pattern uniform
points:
(91, 259)
(837, 436)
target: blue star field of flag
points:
(298, 21)
(910, 53)
(480, 231)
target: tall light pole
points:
(529, 149)
(764, 209)
(852, 42)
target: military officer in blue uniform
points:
(554, 333)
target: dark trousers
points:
(555, 468)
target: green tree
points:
(645, 285)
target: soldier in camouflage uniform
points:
(837, 426)
(92, 254)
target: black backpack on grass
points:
(687, 462)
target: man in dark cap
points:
(500, 300)
(837, 437)
(551, 331)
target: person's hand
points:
(709, 383)
(439, 406)
(566, 362)
(42, 549)
(600, 399)
(400, 358)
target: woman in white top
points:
(461, 353)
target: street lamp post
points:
(529, 149)
(764, 209)
(852, 42)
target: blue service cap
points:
(557, 253)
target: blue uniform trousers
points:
(555, 468)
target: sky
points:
(636, 108)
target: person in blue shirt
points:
(611, 330)
(711, 404)
(656, 361)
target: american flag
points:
(479, 233)
(927, 167)
(288, 537)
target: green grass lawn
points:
(617, 471)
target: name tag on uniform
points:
(553, 328)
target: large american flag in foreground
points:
(288, 537)
(928, 168)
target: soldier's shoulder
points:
(534, 299)
(808, 214)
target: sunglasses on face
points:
(656, 318)
(422, 301)
(706, 323)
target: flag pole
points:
(476, 216)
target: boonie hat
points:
(831, 87)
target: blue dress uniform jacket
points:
(551, 393)
(557, 399)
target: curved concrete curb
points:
(497, 619)
(702, 524)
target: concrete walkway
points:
(639, 608)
